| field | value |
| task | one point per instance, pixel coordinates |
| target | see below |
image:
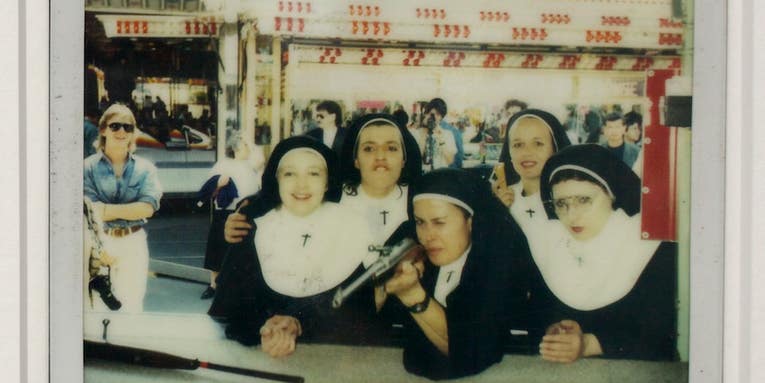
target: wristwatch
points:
(420, 307)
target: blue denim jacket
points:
(139, 183)
(457, 163)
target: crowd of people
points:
(549, 247)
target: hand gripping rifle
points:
(155, 359)
(99, 273)
(390, 256)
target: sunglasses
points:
(115, 126)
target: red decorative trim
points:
(555, 18)
(670, 39)
(525, 33)
(606, 63)
(569, 61)
(670, 23)
(597, 36)
(615, 20)
(532, 61)
(493, 60)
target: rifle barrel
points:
(156, 359)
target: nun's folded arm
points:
(566, 343)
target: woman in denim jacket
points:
(125, 192)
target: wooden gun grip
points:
(499, 173)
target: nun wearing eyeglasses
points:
(462, 294)
(615, 291)
(125, 192)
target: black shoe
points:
(103, 285)
(209, 293)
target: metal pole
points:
(276, 92)
(250, 90)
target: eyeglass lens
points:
(563, 205)
(115, 126)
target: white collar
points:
(329, 136)
(593, 274)
(304, 256)
(396, 194)
(449, 277)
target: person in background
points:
(512, 107)
(437, 145)
(634, 123)
(125, 192)
(232, 178)
(436, 109)
(329, 117)
(159, 107)
(401, 117)
(90, 132)
(614, 130)
(464, 293)
(592, 126)
(615, 292)
(119, 81)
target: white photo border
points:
(708, 168)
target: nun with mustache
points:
(614, 292)
(380, 159)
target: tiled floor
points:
(178, 238)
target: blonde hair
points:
(110, 113)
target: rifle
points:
(390, 256)
(100, 274)
(156, 359)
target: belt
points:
(122, 231)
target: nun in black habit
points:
(463, 295)
(277, 284)
(614, 292)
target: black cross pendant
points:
(305, 238)
(385, 216)
(531, 213)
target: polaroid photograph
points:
(343, 191)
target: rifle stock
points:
(156, 359)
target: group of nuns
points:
(553, 248)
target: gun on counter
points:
(390, 256)
(155, 359)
